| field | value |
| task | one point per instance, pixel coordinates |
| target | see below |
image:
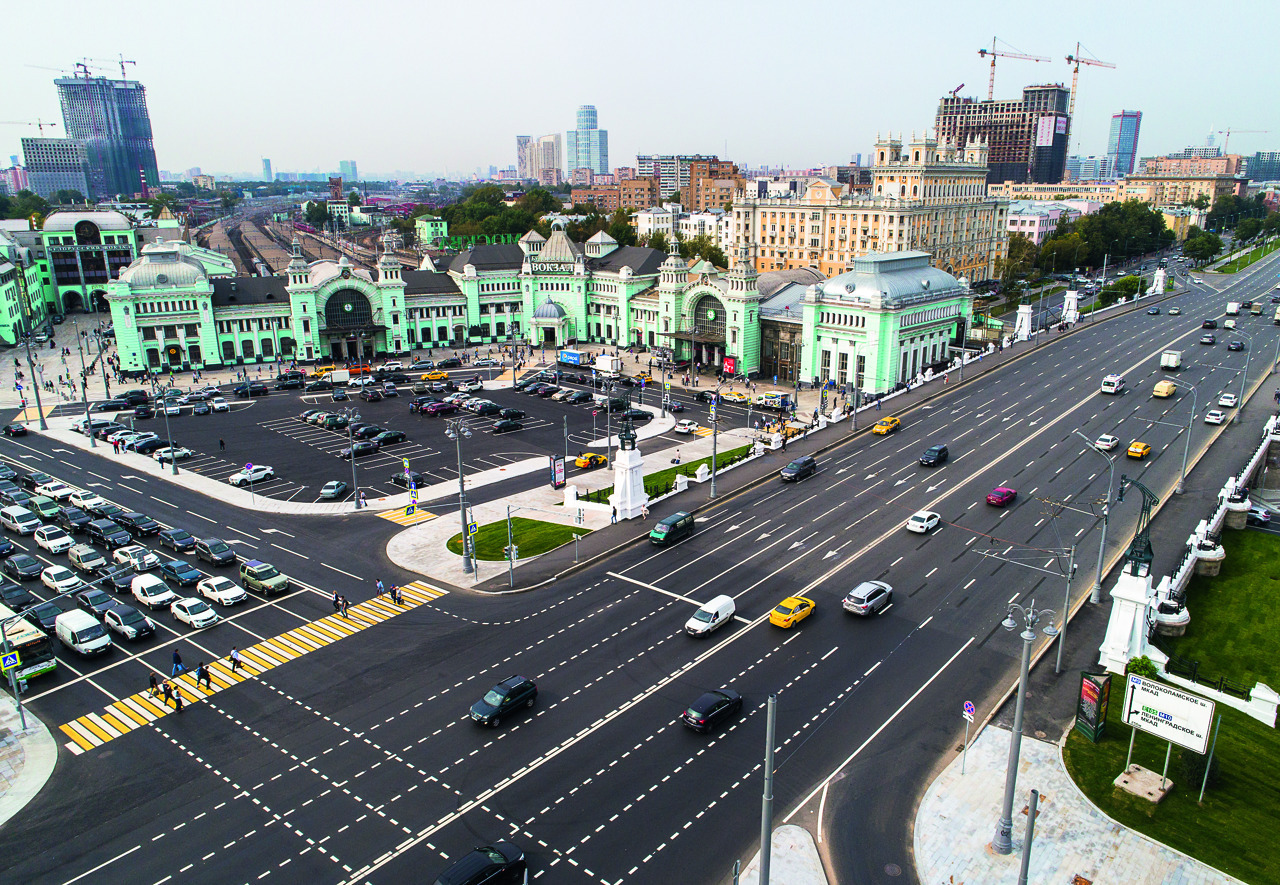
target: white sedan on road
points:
(218, 404)
(686, 426)
(87, 501)
(1214, 416)
(1226, 401)
(193, 612)
(923, 521)
(60, 579)
(58, 491)
(222, 590)
(139, 558)
(54, 539)
(1107, 442)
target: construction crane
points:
(1000, 53)
(39, 124)
(118, 60)
(1227, 132)
(956, 90)
(1076, 61)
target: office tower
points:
(588, 146)
(1026, 138)
(266, 170)
(55, 164)
(1122, 143)
(522, 156)
(347, 169)
(110, 117)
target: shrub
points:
(1142, 666)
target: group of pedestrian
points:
(340, 604)
(170, 693)
(393, 594)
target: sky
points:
(434, 88)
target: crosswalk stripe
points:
(277, 649)
(115, 723)
(302, 641)
(125, 709)
(151, 704)
(397, 516)
(254, 658)
(94, 729)
(84, 739)
(318, 633)
(338, 625)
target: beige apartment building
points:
(924, 196)
(1174, 190)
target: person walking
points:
(392, 594)
(155, 685)
(235, 659)
(613, 515)
(379, 586)
(202, 676)
(644, 511)
(167, 691)
(177, 700)
(345, 605)
(178, 666)
(222, 445)
(337, 602)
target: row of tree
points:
(24, 203)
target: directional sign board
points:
(405, 462)
(9, 660)
(1168, 713)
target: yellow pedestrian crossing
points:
(127, 714)
(397, 516)
(702, 431)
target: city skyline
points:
(747, 123)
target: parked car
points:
(255, 473)
(335, 488)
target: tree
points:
(66, 197)
(658, 240)
(229, 200)
(1248, 229)
(1271, 224)
(621, 228)
(161, 202)
(673, 197)
(1203, 247)
(702, 246)
(317, 214)
(353, 198)
(1021, 256)
(1060, 253)
(537, 201)
(1200, 202)
(23, 204)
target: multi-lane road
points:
(357, 762)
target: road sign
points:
(9, 660)
(408, 511)
(405, 462)
(249, 466)
(968, 711)
(472, 528)
(1168, 713)
(713, 412)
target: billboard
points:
(730, 366)
(1168, 713)
(1044, 131)
(1091, 708)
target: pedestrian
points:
(337, 602)
(644, 511)
(363, 503)
(392, 594)
(784, 439)
(202, 676)
(613, 516)
(945, 377)
(345, 604)
(222, 445)
(177, 700)
(155, 685)
(168, 693)
(877, 405)
(178, 666)
(379, 586)
(677, 456)
(235, 659)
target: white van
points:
(712, 615)
(152, 592)
(81, 631)
(20, 520)
(1113, 384)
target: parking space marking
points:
(128, 714)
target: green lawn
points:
(532, 536)
(1248, 258)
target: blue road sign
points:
(9, 660)
(408, 511)
(472, 528)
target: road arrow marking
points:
(830, 553)
(931, 488)
(901, 481)
(762, 537)
(794, 545)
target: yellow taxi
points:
(886, 425)
(791, 611)
(436, 376)
(734, 397)
(643, 376)
(1138, 450)
(321, 371)
(590, 460)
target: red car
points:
(1001, 496)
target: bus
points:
(34, 648)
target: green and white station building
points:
(892, 316)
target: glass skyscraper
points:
(111, 118)
(1122, 143)
(588, 146)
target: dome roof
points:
(559, 248)
(67, 221)
(549, 310)
(165, 265)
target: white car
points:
(1107, 442)
(256, 473)
(1227, 401)
(140, 559)
(172, 454)
(686, 426)
(486, 363)
(472, 385)
(218, 404)
(193, 612)
(58, 491)
(87, 501)
(120, 436)
(923, 521)
(54, 539)
(1175, 311)
(1213, 416)
(392, 366)
(60, 579)
(152, 592)
(171, 407)
(222, 590)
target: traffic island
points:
(532, 537)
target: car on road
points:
(143, 411)
(506, 426)
(1107, 442)
(711, 709)
(1228, 400)
(23, 567)
(262, 577)
(637, 415)
(72, 519)
(1208, 339)
(43, 616)
(1002, 496)
(923, 521)
(791, 611)
(94, 601)
(256, 473)
(60, 579)
(218, 404)
(800, 468)
(1214, 416)
(184, 574)
(117, 577)
(1209, 324)
(148, 446)
(126, 621)
(686, 426)
(223, 591)
(54, 539)
(152, 592)
(87, 501)
(450, 362)
(868, 598)
(138, 558)
(1138, 450)
(734, 396)
(1175, 311)
(193, 612)
(487, 363)
(435, 375)
(934, 455)
(360, 449)
(86, 558)
(590, 460)
(214, 551)
(886, 425)
(58, 491)
(252, 388)
(1154, 311)
(579, 396)
(339, 396)
(496, 864)
(108, 534)
(33, 481)
(486, 408)
(1235, 345)
(1256, 516)
(16, 597)
(335, 488)
(179, 540)
(137, 524)
(15, 430)
(503, 699)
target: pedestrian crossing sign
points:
(405, 462)
(9, 660)
(472, 528)
(408, 511)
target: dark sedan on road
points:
(215, 551)
(118, 577)
(43, 616)
(637, 415)
(711, 709)
(23, 566)
(148, 446)
(137, 524)
(16, 597)
(32, 481)
(95, 602)
(498, 864)
(15, 430)
(1235, 345)
(511, 414)
(503, 699)
(184, 573)
(934, 455)
(73, 519)
(360, 449)
(449, 363)
(179, 540)
(579, 396)
(252, 388)
(113, 405)
(322, 384)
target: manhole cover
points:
(893, 869)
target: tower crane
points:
(39, 124)
(118, 60)
(1227, 132)
(1000, 53)
(1076, 61)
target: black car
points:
(290, 381)
(251, 388)
(487, 409)
(95, 602)
(498, 864)
(1209, 324)
(370, 394)
(579, 396)
(73, 519)
(535, 388)
(107, 510)
(108, 534)
(340, 396)
(637, 415)
(675, 406)
(416, 404)
(6, 547)
(390, 437)
(113, 405)
(545, 390)
(33, 480)
(367, 431)
(135, 397)
(511, 414)
(201, 409)
(711, 709)
(143, 412)
(23, 567)
(805, 465)
(15, 497)
(360, 449)
(215, 551)
(7, 472)
(43, 616)
(118, 577)
(322, 384)
(934, 455)
(1235, 345)
(180, 540)
(506, 426)
(15, 430)
(1154, 311)
(137, 524)
(418, 480)
(449, 363)
(147, 446)
(16, 597)
(504, 698)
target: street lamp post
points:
(173, 460)
(1235, 419)
(1096, 594)
(715, 433)
(84, 386)
(456, 429)
(352, 417)
(1003, 841)
(1186, 446)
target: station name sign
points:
(551, 267)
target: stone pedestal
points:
(1071, 307)
(1237, 515)
(1209, 558)
(1126, 636)
(1022, 326)
(629, 495)
(1145, 783)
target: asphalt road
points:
(357, 763)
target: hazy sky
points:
(434, 86)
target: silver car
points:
(868, 598)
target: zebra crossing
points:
(127, 714)
(398, 516)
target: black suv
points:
(108, 534)
(805, 465)
(449, 363)
(137, 524)
(290, 382)
(73, 519)
(404, 479)
(1209, 324)
(215, 550)
(504, 698)
(711, 709)
(934, 455)
(251, 388)
(33, 480)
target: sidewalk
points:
(26, 758)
